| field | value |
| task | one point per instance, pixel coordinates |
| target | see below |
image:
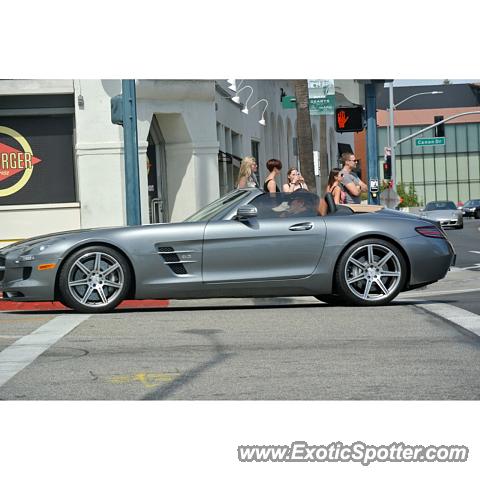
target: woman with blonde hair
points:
(246, 175)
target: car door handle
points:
(301, 226)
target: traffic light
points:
(439, 129)
(349, 119)
(387, 167)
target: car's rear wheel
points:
(94, 279)
(370, 272)
(477, 214)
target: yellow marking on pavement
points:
(148, 380)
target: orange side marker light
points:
(46, 266)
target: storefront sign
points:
(36, 160)
(15, 163)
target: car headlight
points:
(25, 258)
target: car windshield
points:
(440, 206)
(214, 208)
(472, 203)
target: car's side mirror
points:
(246, 211)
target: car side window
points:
(286, 205)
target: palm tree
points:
(304, 134)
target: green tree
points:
(409, 196)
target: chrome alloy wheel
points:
(95, 279)
(372, 272)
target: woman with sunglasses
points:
(334, 186)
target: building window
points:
(228, 168)
(255, 151)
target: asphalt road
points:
(308, 351)
(467, 244)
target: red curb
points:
(7, 305)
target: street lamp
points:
(262, 120)
(236, 98)
(234, 85)
(392, 107)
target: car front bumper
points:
(451, 222)
(24, 282)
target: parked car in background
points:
(471, 208)
(444, 212)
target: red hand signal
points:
(342, 119)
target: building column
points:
(100, 183)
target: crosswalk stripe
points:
(24, 351)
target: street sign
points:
(321, 97)
(429, 142)
(288, 101)
(389, 197)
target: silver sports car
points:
(444, 212)
(245, 244)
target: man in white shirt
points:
(352, 185)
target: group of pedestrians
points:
(343, 183)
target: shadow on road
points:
(219, 356)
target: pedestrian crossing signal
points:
(387, 168)
(349, 119)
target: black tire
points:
(477, 214)
(94, 279)
(380, 270)
(459, 227)
(332, 299)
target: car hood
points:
(30, 242)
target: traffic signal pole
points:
(130, 142)
(372, 148)
(392, 136)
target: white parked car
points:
(444, 212)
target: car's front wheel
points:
(370, 272)
(94, 279)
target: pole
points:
(130, 142)
(475, 112)
(372, 148)
(392, 135)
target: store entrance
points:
(157, 176)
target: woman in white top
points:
(246, 175)
(295, 181)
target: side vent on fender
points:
(173, 261)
